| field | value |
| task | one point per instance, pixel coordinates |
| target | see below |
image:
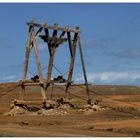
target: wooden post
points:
(26, 61)
(22, 92)
(38, 66)
(51, 91)
(83, 67)
(50, 66)
(52, 52)
(28, 48)
(72, 46)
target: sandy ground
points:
(120, 118)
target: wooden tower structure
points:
(53, 42)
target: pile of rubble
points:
(16, 111)
(51, 112)
(20, 111)
(59, 107)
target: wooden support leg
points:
(38, 67)
(83, 68)
(50, 66)
(26, 61)
(52, 91)
(22, 92)
(72, 47)
(70, 74)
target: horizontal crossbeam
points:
(30, 83)
(23, 102)
(66, 29)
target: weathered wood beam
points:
(70, 43)
(36, 36)
(55, 30)
(46, 32)
(83, 67)
(22, 92)
(71, 67)
(38, 65)
(23, 102)
(26, 61)
(51, 59)
(53, 27)
(62, 34)
(72, 60)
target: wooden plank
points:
(72, 60)
(70, 43)
(62, 34)
(38, 65)
(50, 66)
(83, 67)
(22, 102)
(31, 84)
(71, 67)
(53, 27)
(26, 61)
(36, 35)
(55, 30)
(22, 92)
(46, 32)
(37, 57)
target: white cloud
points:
(112, 78)
(8, 78)
(102, 78)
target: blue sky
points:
(110, 35)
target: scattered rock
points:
(92, 107)
(91, 127)
(64, 106)
(109, 129)
(59, 107)
(16, 111)
(138, 132)
(52, 112)
(24, 123)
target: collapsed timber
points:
(58, 107)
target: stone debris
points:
(20, 111)
(45, 112)
(58, 107)
(92, 107)
(16, 111)
(64, 106)
(55, 109)
(24, 123)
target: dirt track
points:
(122, 118)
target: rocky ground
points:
(114, 112)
